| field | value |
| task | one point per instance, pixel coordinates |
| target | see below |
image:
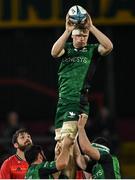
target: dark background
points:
(25, 55)
(28, 81)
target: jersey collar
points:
(18, 157)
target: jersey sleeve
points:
(47, 169)
(104, 157)
(5, 170)
(90, 165)
(96, 55)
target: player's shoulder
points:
(12, 157)
(9, 160)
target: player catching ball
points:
(76, 58)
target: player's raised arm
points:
(58, 47)
(63, 158)
(106, 45)
(84, 141)
(81, 160)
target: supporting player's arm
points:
(81, 160)
(63, 158)
(84, 142)
(106, 45)
(58, 47)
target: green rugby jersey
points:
(41, 171)
(74, 70)
(106, 168)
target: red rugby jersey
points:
(13, 168)
(80, 174)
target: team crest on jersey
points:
(84, 49)
(81, 50)
(18, 169)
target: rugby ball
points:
(77, 14)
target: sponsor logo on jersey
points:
(97, 174)
(76, 59)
